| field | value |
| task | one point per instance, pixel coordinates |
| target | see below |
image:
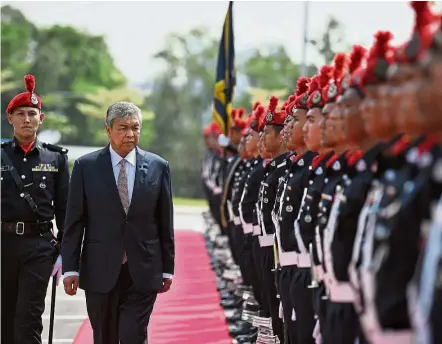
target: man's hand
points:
(56, 270)
(71, 285)
(167, 282)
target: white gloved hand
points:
(223, 140)
(56, 270)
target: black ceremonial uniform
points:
(305, 233)
(27, 252)
(406, 203)
(249, 219)
(286, 210)
(274, 174)
(334, 169)
(348, 202)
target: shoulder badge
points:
(55, 148)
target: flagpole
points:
(305, 41)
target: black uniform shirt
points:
(251, 191)
(275, 173)
(240, 181)
(297, 180)
(356, 184)
(45, 174)
(308, 213)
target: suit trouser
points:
(244, 254)
(303, 305)
(341, 323)
(285, 280)
(269, 290)
(27, 263)
(257, 282)
(122, 315)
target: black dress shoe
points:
(240, 328)
(234, 317)
(231, 303)
(247, 339)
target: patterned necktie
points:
(122, 186)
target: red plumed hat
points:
(290, 105)
(379, 59)
(331, 91)
(28, 98)
(273, 116)
(356, 58)
(301, 101)
(237, 119)
(315, 98)
(425, 27)
(261, 116)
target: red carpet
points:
(190, 313)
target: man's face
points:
(352, 120)
(252, 143)
(332, 126)
(296, 136)
(312, 129)
(124, 133)
(285, 133)
(25, 121)
(262, 147)
(235, 136)
(272, 140)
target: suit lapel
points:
(108, 176)
(142, 165)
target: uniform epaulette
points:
(55, 148)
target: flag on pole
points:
(225, 75)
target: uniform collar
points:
(115, 158)
(37, 145)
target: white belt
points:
(304, 260)
(341, 292)
(266, 240)
(247, 228)
(288, 258)
(256, 230)
(236, 221)
(394, 337)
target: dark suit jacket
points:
(95, 211)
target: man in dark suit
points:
(120, 200)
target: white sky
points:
(134, 31)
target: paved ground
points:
(70, 311)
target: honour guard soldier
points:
(249, 199)
(35, 182)
(273, 125)
(305, 220)
(408, 195)
(289, 203)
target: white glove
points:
(223, 140)
(56, 270)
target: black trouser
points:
(27, 263)
(256, 276)
(122, 315)
(269, 290)
(341, 325)
(285, 280)
(303, 305)
(245, 257)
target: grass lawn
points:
(189, 201)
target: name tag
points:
(45, 168)
(5, 168)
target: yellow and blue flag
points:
(225, 75)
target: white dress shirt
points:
(130, 165)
